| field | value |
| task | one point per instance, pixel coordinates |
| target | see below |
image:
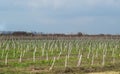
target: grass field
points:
(61, 56)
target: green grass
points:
(26, 48)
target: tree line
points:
(79, 34)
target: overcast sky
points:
(61, 16)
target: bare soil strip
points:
(110, 72)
